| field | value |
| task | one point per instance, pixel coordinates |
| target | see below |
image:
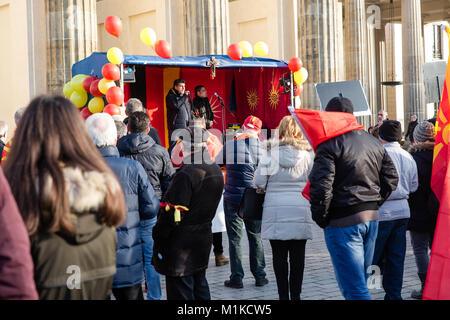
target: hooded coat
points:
(283, 173)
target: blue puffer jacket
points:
(241, 157)
(142, 204)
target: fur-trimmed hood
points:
(300, 144)
(421, 146)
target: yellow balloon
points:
(261, 49)
(79, 99)
(247, 50)
(68, 90)
(77, 82)
(115, 55)
(104, 85)
(96, 105)
(148, 36)
(300, 76)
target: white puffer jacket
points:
(285, 170)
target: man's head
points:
(340, 104)
(413, 118)
(382, 115)
(3, 130)
(102, 130)
(121, 129)
(133, 105)
(18, 115)
(423, 132)
(139, 122)
(200, 91)
(390, 131)
(179, 85)
(252, 123)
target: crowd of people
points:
(96, 209)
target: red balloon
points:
(111, 72)
(298, 90)
(113, 25)
(295, 64)
(87, 83)
(115, 96)
(162, 48)
(85, 113)
(235, 51)
(112, 109)
(94, 89)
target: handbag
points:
(251, 206)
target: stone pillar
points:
(318, 47)
(413, 59)
(71, 37)
(372, 76)
(380, 50)
(207, 27)
(391, 74)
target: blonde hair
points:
(289, 133)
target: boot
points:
(221, 260)
(417, 294)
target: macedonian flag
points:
(437, 286)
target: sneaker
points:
(234, 285)
(261, 283)
(221, 260)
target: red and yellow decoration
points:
(178, 210)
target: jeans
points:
(193, 287)
(421, 243)
(129, 293)
(234, 230)
(390, 250)
(351, 250)
(217, 243)
(288, 281)
(153, 278)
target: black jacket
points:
(154, 158)
(2, 145)
(178, 110)
(423, 203)
(183, 249)
(409, 133)
(351, 173)
(201, 108)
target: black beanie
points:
(340, 104)
(390, 131)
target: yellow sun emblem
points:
(441, 125)
(252, 99)
(274, 98)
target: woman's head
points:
(289, 132)
(51, 135)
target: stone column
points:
(391, 74)
(372, 76)
(318, 47)
(207, 27)
(380, 50)
(71, 37)
(413, 59)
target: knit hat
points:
(253, 123)
(390, 131)
(424, 131)
(340, 104)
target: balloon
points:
(261, 49)
(104, 85)
(295, 64)
(235, 51)
(148, 36)
(162, 48)
(112, 109)
(85, 113)
(299, 90)
(115, 55)
(247, 49)
(68, 90)
(113, 25)
(77, 82)
(115, 96)
(300, 76)
(94, 88)
(96, 105)
(111, 72)
(87, 83)
(79, 99)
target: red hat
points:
(253, 123)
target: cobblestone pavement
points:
(319, 282)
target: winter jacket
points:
(89, 255)
(2, 146)
(423, 203)
(183, 249)
(142, 204)
(396, 206)
(351, 173)
(178, 110)
(410, 131)
(285, 170)
(154, 158)
(16, 264)
(241, 157)
(201, 108)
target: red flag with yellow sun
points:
(437, 286)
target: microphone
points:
(215, 93)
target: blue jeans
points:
(351, 250)
(153, 278)
(390, 250)
(234, 230)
